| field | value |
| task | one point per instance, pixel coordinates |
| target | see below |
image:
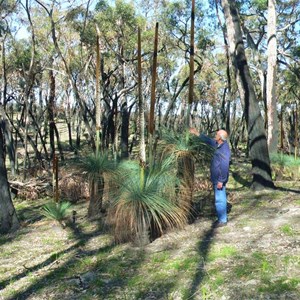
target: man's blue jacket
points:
(219, 167)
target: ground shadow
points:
(205, 245)
(238, 178)
(203, 249)
(283, 189)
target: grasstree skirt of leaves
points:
(185, 149)
(150, 209)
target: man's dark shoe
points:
(219, 224)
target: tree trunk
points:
(151, 122)
(8, 216)
(258, 148)
(96, 196)
(141, 109)
(124, 130)
(8, 140)
(191, 82)
(273, 127)
(98, 92)
(142, 237)
(50, 107)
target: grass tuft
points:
(56, 211)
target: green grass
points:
(285, 166)
(288, 230)
(279, 286)
(161, 257)
(285, 160)
(183, 264)
(221, 252)
(127, 272)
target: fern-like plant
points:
(55, 211)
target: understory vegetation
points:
(255, 257)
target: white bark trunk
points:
(271, 78)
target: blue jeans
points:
(221, 203)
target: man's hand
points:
(194, 131)
(219, 185)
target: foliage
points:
(284, 160)
(55, 211)
(94, 165)
(182, 144)
(85, 263)
(137, 209)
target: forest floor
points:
(256, 256)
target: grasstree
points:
(144, 204)
(95, 166)
(177, 147)
(56, 211)
(139, 212)
(185, 160)
(186, 174)
(184, 150)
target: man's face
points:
(218, 137)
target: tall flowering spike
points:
(141, 114)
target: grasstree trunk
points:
(8, 217)
(258, 148)
(96, 196)
(50, 107)
(186, 175)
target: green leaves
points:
(184, 143)
(138, 209)
(55, 211)
(94, 165)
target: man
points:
(219, 171)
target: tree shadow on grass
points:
(245, 183)
(111, 270)
(238, 178)
(283, 189)
(204, 247)
(26, 215)
(30, 215)
(82, 239)
(77, 282)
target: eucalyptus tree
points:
(258, 148)
(72, 61)
(118, 51)
(288, 17)
(27, 62)
(270, 28)
(8, 216)
(271, 78)
(4, 96)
